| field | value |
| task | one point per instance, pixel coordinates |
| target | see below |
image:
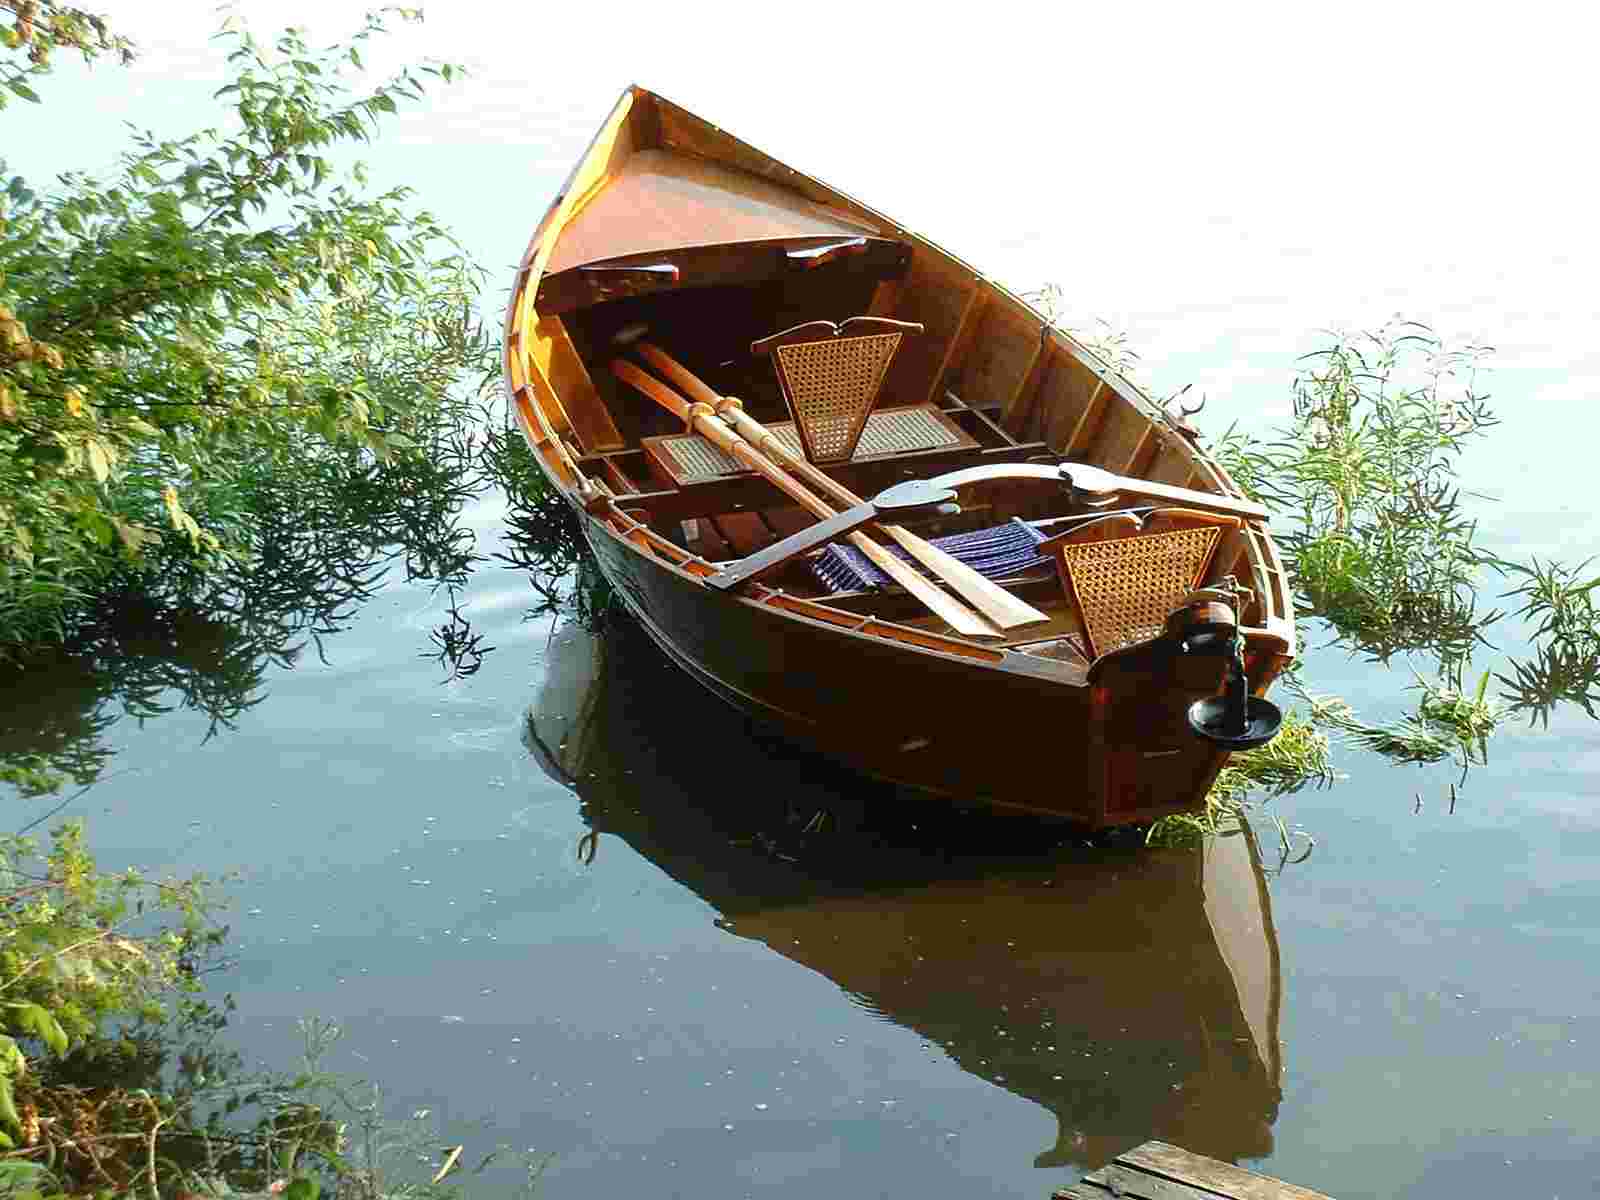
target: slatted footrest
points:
(687, 458)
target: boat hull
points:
(953, 727)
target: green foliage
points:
(1379, 546)
(544, 536)
(224, 305)
(78, 949)
(32, 30)
(176, 633)
(1446, 721)
(1298, 756)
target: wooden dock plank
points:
(1124, 1181)
(1159, 1171)
(1225, 1179)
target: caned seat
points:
(831, 375)
(1125, 575)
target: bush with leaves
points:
(80, 948)
(225, 301)
(1376, 537)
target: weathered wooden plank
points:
(1139, 1185)
(1079, 1191)
(1219, 1178)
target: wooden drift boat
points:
(876, 500)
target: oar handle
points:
(702, 419)
(992, 601)
(652, 387)
(693, 385)
(731, 411)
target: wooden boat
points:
(1133, 994)
(743, 380)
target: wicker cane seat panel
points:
(1125, 587)
(831, 384)
(689, 458)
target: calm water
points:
(730, 1000)
(771, 978)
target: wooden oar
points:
(988, 597)
(703, 420)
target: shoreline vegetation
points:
(237, 391)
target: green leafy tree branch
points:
(223, 300)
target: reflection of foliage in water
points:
(545, 539)
(325, 531)
(1565, 667)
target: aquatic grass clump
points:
(1446, 721)
(1298, 756)
(1378, 546)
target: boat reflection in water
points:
(1134, 993)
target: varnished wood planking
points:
(955, 351)
(656, 202)
(1121, 436)
(885, 296)
(938, 294)
(682, 131)
(1173, 462)
(1073, 436)
(552, 351)
(999, 357)
(745, 532)
(1014, 408)
(1062, 400)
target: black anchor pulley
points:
(1235, 720)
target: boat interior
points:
(706, 258)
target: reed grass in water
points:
(1382, 551)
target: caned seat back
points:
(831, 375)
(1126, 575)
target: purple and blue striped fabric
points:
(1004, 550)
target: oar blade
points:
(988, 597)
(950, 610)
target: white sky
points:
(1221, 181)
